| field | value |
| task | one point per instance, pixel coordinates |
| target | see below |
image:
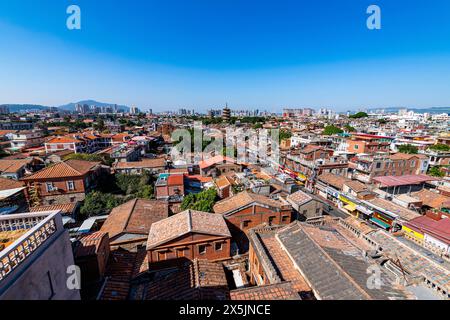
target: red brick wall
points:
(170, 253)
(256, 216)
(61, 184)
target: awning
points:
(380, 223)
(364, 210)
(350, 207)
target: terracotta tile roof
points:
(299, 198)
(431, 199)
(391, 181)
(7, 184)
(199, 178)
(310, 148)
(199, 280)
(223, 181)
(186, 222)
(65, 208)
(69, 168)
(89, 244)
(12, 166)
(243, 199)
(119, 271)
(144, 163)
(63, 139)
(120, 137)
(175, 180)
(214, 160)
(135, 216)
(334, 180)
(278, 291)
(356, 186)
(405, 156)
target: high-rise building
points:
(134, 110)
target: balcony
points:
(24, 234)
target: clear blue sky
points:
(203, 53)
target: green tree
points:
(97, 203)
(100, 125)
(349, 128)
(440, 147)
(331, 129)
(203, 201)
(436, 172)
(408, 148)
(285, 134)
(140, 186)
(359, 115)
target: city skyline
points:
(252, 55)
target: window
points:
(356, 147)
(271, 219)
(245, 224)
(161, 255)
(413, 163)
(70, 185)
(202, 249)
(218, 246)
(50, 186)
(285, 219)
(378, 165)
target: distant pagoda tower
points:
(226, 114)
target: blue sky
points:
(201, 53)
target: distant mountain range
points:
(66, 107)
(71, 106)
(432, 110)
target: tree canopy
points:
(359, 115)
(97, 203)
(331, 129)
(436, 172)
(440, 147)
(203, 201)
(408, 148)
(285, 134)
(140, 186)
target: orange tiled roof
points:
(135, 216)
(243, 199)
(184, 223)
(89, 244)
(144, 163)
(12, 166)
(64, 139)
(69, 168)
(6, 184)
(431, 199)
(65, 208)
(278, 291)
(214, 160)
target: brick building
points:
(128, 225)
(65, 182)
(186, 236)
(169, 186)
